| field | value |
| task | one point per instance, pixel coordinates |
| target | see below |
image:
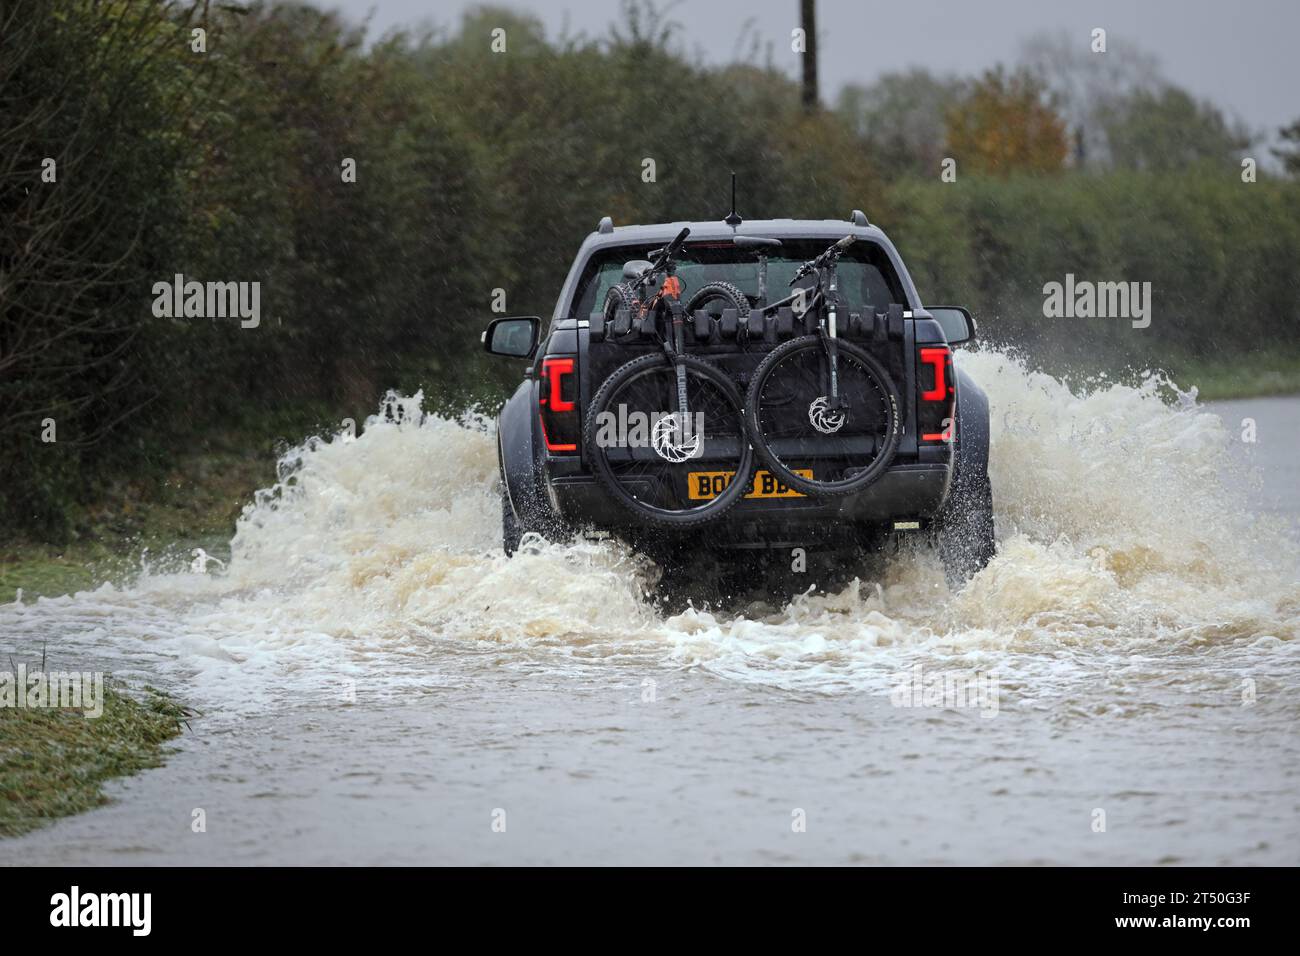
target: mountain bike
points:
(665, 433)
(822, 413)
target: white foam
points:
(378, 560)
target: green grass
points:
(1254, 375)
(1261, 374)
(194, 504)
(53, 762)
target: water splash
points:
(1124, 536)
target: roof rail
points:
(859, 218)
(606, 224)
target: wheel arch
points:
(516, 453)
(972, 452)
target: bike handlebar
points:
(826, 258)
(659, 257)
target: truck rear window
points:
(866, 277)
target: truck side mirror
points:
(957, 323)
(513, 338)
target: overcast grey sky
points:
(1240, 54)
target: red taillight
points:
(557, 404)
(937, 358)
(934, 374)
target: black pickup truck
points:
(930, 478)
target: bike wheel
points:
(713, 297)
(793, 431)
(621, 297)
(662, 468)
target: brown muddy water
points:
(380, 685)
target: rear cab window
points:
(867, 279)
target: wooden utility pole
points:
(808, 15)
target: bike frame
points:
(826, 268)
(827, 297)
(668, 298)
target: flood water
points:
(379, 684)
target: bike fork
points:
(831, 341)
(679, 349)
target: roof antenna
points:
(733, 218)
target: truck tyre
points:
(964, 528)
(511, 534)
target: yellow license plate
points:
(709, 484)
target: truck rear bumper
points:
(904, 492)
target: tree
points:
(91, 97)
(1086, 85)
(1169, 129)
(1290, 155)
(1006, 124)
(902, 117)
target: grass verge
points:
(194, 504)
(53, 762)
(1263, 374)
